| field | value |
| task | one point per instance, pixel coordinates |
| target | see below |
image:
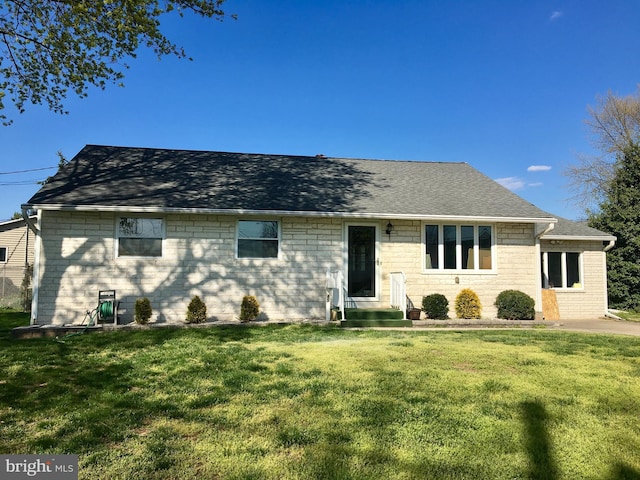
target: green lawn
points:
(305, 402)
(630, 316)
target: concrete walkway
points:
(601, 325)
(597, 325)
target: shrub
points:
(249, 309)
(196, 311)
(468, 304)
(142, 311)
(515, 305)
(435, 306)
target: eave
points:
(290, 213)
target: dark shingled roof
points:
(174, 180)
(568, 228)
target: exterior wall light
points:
(389, 229)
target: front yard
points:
(305, 402)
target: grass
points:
(630, 316)
(309, 402)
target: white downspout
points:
(538, 306)
(36, 266)
(28, 219)
(612, 243)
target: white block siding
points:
(516, 266)
(590, 301)
(77, 259)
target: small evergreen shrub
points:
(435, 306)
(468, 304)
(249, 309)
(196, 311)
(515, 305)
(142, 311)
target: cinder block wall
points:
(516, 266)
(589, 301)
(78, 259)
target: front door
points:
(361, 261)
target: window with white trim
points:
(258, 239)
(458, 247)
(140, 237)
(3, 254)
(561, 270)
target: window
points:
(561, 270)
(458, 247)
(140, 237)
(258, 239)
(3, 254)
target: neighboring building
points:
(170, 224)
(16, 255)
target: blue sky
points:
(501, 85)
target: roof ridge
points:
(320, 156)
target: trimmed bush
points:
(515, 305)
(196, 311)
(435, 306)
(142, 311)
(249, 309)
(468, 304)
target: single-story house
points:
(16, 255)
(171, 224)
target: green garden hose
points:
(103, 310)
(106, 309)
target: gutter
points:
(289, 213)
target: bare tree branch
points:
(614, 125)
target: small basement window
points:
(258, 239)
(140, 237)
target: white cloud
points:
(555, 15)
(539, 168)
(535, 184)
(512, 183)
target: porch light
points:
(389, 229)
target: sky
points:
(501, 85)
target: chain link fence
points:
(15, 287)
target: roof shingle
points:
(123, 177)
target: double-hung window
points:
(140, 237)
(458, 247)
(561, 270)
(3, 254)
(258, 239)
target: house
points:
(16, 257)
(171, 224)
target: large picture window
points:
(140, 237)
(561, 270)
(458, 247)
(258, 239)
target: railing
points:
(398, 282)
(335, 293)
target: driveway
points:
(596, 325)
(600, 325)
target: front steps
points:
(374, 317)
